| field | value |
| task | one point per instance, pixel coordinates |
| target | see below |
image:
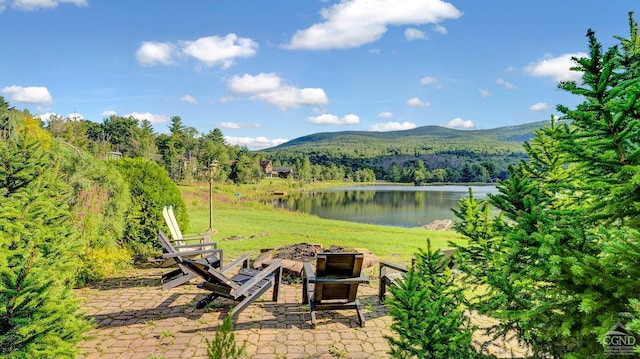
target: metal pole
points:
(212, 168)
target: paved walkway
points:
(136, 319)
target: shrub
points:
(151, 189)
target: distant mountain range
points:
(438, 148)
(511, 135)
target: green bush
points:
(99, 201)
(151, 189)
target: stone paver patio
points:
(135, 318)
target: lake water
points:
(399, 206)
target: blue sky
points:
(265, 72)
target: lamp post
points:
(212, 169)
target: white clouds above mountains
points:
(35, 95)
(328, 119)
(392, 126)
(557, 68)
(209, 51)
(269, 87)
(154, 119)
(540, 107)
(352, 23)
(459, 123)
(385, 114)
(416, 102)
(256, 143)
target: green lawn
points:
(270, 228)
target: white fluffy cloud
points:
(392, 126)
(254, 143)
(414, 34)
(385, 114)
(156, 53)
(328, 119)
(540, 107)
(558, 68)
(508, 85)
(210, 51)
(229, 125)
(440, 29)
(189, 99)
(47, 116)
(416, 102)
(215, 50)
(75, 116)
(31, 5)
(428, 80)
(485, 93)
(108, 113)
(351, 23)
(154, 119)
(269, 87)
(35, 95)
(460, 123)
(263, 82)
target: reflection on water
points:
(398, 206)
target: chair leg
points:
(178, 281)
(312, 309)
(360, 314)
(382, 289)
(276, 284)
(204, 302)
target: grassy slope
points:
(245, 217)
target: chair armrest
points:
(196, 236)
(240, 260)
(360, 279)
(396, 266)
(201, 245)
(276, 265)
(189, 253)
(307, 271)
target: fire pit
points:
(292, 256)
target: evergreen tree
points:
(38, 310)
(427, 313)
(561, 269)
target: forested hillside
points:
(423, 154)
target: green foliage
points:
(99, 200)
(561, 268)
(427, 312)
(150, 189)
(224, 345)
(40, 249)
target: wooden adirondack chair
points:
(210, 256)
(391, 272)
(176, 233)
(244, 287)
(334, 284)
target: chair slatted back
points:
(337, 265)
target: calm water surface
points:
(399, 206)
